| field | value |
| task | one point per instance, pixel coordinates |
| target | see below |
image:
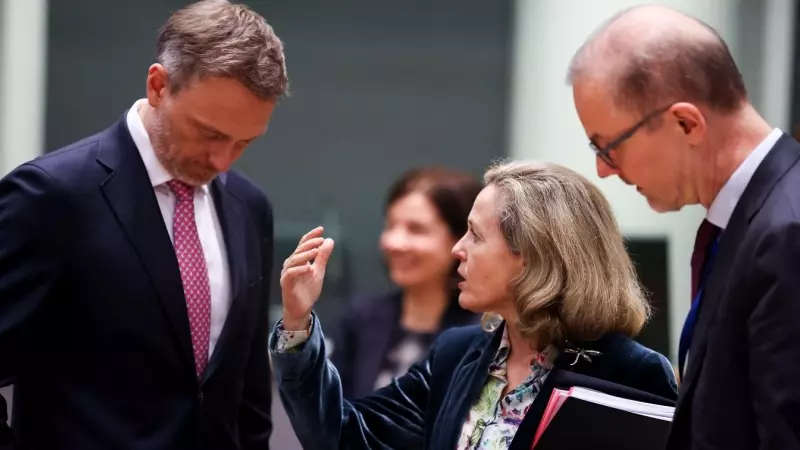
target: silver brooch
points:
(581, 353)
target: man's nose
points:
(222, 158)
(604, 169)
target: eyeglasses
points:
(604, 153)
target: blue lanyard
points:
(688, 327)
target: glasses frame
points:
(604, 153)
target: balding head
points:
(652, 56)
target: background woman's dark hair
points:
(451, 192)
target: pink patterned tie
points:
(194, 274)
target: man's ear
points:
(157, 84)
(689, 121)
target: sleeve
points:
(288, 340)
(656, 375)
(30, 265)
(310, 389)
(773, 335)
(255, 413)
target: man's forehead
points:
(592, 105)
(596, 108)
(590, 92)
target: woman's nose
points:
(394, 240)
(458, 250)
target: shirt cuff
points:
(290, 341)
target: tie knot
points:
(705, 234)
(702, 243)
(184, 191)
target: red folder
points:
(557, 399)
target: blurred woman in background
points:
(380, 336)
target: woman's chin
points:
(406, 278)
(469, 303)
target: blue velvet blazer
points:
(365, 335)
(427, 407)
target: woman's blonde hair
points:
(578, 282)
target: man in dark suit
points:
(666, 110)
(134, 264)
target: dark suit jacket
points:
(741, 389)
(366, 333)
(93, 325)
(426, 408)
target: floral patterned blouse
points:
(493, 420)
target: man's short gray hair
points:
(649, 65)
(215, 38)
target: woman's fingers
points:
(309, 244)
(306, 251)
(302, 258)
(289, 274)
(316, 232)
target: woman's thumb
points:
(324, 253)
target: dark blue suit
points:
(427, 407)
(93, 324)
(741, 389)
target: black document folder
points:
(581, 424)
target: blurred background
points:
(379, 87)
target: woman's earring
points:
(491, 321)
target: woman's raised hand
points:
(301, 278)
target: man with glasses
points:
(666, 110)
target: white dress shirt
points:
(722, 207)
(205, 214)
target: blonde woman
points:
(544, 260)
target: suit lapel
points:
(130, 196)
(469, 382)
(530, 423)
(779, 160)
(233, 221)
(712, 296)
(561, 373)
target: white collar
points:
(722, 207)
(157, 173)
